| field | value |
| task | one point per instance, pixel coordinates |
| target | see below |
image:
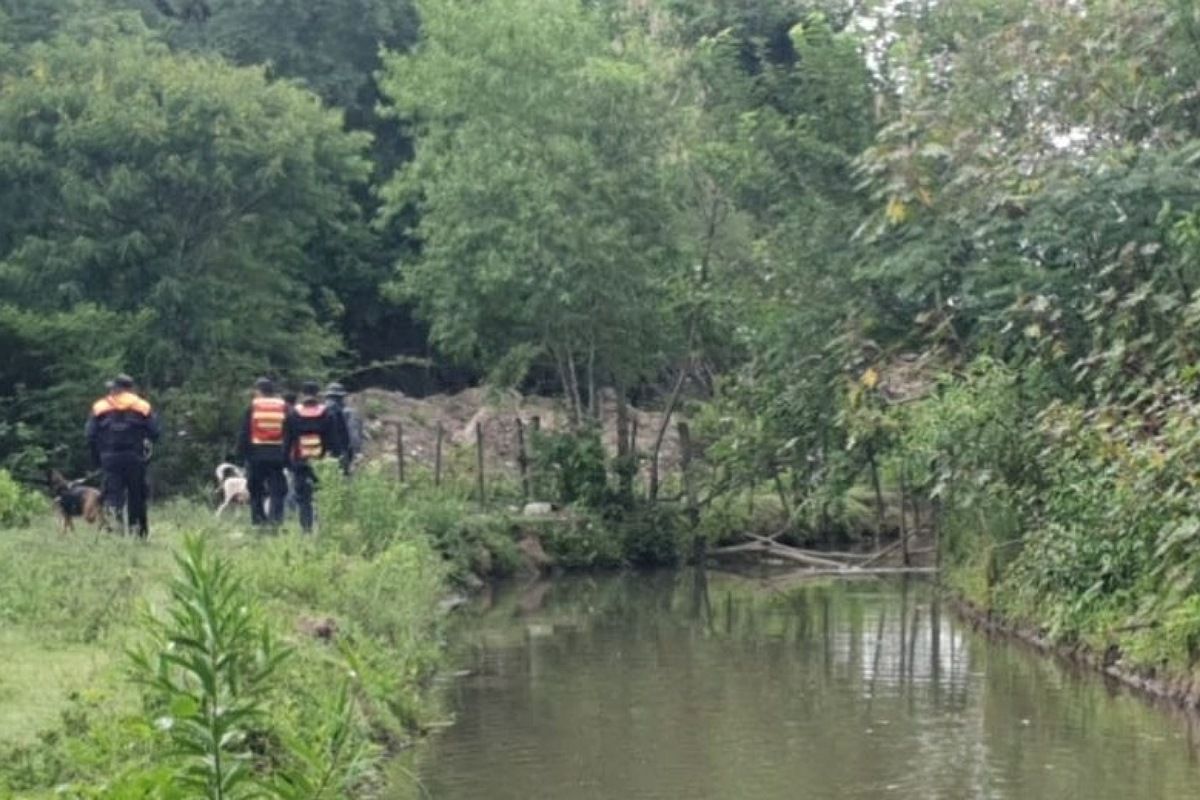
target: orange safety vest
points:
(309, 444)
(266, 420)
(124, 401)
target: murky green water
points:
(639, 687)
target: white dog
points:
(231, 484)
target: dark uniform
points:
(118, 434)
(289, 502)
(310, 433)
(347, 424)
(260, 447)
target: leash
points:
(91, 476)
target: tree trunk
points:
(479, 463)
(783, 501)
(662, 432)
(523, 459)
(437, 455)
(903, 522)
(573, 387)
(592, 408)
(400, 451)
(689, 488)
(878, 494)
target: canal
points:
(668, 686)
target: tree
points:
(775, 151)
(181, 197)
(545, 216)
(1028, 184)
(334, 49)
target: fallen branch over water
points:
(823, 562)
(883, 553)
(868, 571)
(780, 550)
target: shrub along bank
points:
(1080, 522)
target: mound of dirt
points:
(496, 413)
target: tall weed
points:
(207, 667)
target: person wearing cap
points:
(348, 422)
(119, 432)
(260, 448)
(310, 433)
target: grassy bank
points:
(360, 624)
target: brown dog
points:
(73, 499)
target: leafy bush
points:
(650, 536)
(363, 515)
(17, 506)
(371, 512)
(574, 465)
(583, 541)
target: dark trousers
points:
(265, 481)
(125, 488)
(303, 482)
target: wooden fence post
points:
(936, 514)
(633, 448)
(522, 459)
(624, 452)
(437, 456)
(479, 462)
(400, 451)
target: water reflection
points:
(686, 686)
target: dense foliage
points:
(877, 251)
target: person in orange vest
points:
(309, 433)
(260, 448)
(119, 432)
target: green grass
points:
(72, 605)
(39, 680)
(68, 604)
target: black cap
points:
(123, 381)
(335, 390)
(265, 386)
(310, 388)
(109, 386)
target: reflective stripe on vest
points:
(309, 444)
(266, 420)
(125, 401)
